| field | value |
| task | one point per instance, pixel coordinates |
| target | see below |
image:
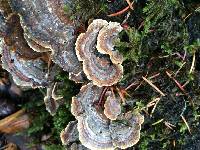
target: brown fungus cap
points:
(105, 41)
(34, 45)
(51, 101)
(46, 24)
(126, 132)
(88, 95)
(16, 41)
(96, 131)
(70, 133)
(25, 73)
(112, 107)
(28, 68)
(70, 137)
(97, 67)
(92, 125)
(85, 43)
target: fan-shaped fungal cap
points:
(92, 125)
(40, 21)
(24, 72)
(97, 132)
(84, 101)
(97, 67)
(35, 46)
(85, 43)
(101, 71)
(112, 107)
(69, 137)
(45, 22)
(64, 55)
(94, 133)
(127, 132)
(105, 41)
(50, 102)
(70, 133)
(27, 67)
(16, 42)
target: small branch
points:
(169, 125)
(184, 120)
(131, 85)
(154, 107)
(130, 4)
(120, 12)
(155, 87)
(102, 96)
(192, 66)
(157, 122)
(180, 87)
(121, 95)
(179, 69)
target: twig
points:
(192, 66)
(102, 96)
(157, 122)
(155, 75)
(131, 85)
(187, 17)
(120, 12)
(155, 87)
(169, 125)
(184, 120)
(126, 18)
(130, 4)
(121, 95)
(140, 83)
(180, 87)
(179, 69)
(185, 83)
(157, 101)
(4, 147)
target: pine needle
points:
(155, 87)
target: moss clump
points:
(161, 45)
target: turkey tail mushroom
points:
(96, 131)
(112, 107)
(97, 67)
(28, 68)
(70, 133)
(45, 23)
(105, 41)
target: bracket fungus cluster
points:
(91, 47)
(96, 130)
(37, 32)
(45, 23)
(26, 66)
